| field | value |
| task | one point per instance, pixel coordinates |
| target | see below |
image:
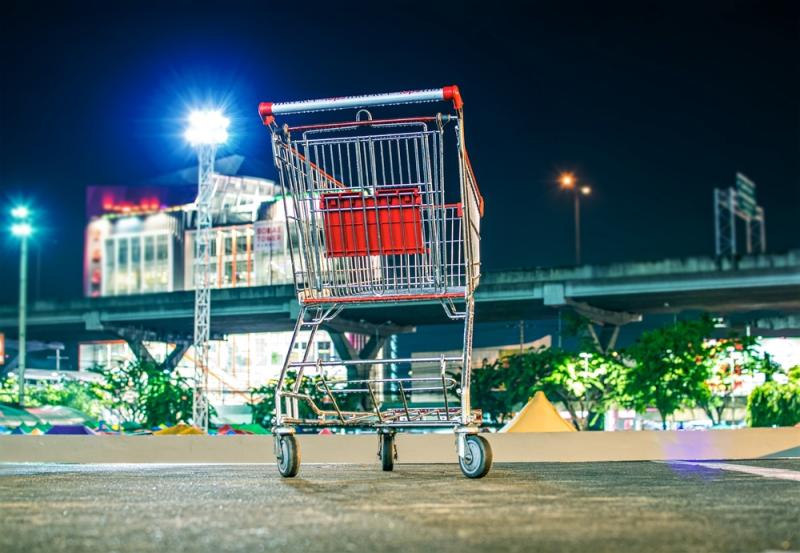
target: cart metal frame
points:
(368, 221)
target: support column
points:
(175, 356)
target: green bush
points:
(147, 394)
(87, 397)
(774, 404)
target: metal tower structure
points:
(207, 129)
(202, 282)
(731, 205)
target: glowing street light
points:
(20, 212)
(22, 229)
(568, 181)
(207, 129)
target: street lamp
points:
(569, 182)
(22, 229)
(207, 129)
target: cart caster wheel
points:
(387, 452)
(477, 459)
(289, 456)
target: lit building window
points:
(135, 264)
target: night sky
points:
(652, 104)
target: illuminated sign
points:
(110, 205)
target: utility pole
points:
(577, 228)
(569, 182)
(22, 229)
(23, 314)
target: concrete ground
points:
(569, 507)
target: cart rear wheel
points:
(477, 459)
(288, 456)
(387, 452)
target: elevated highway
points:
(764, 285)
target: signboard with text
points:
(268, 236)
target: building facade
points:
(138, 242)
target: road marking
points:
(783, 474)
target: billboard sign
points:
(268, 236)
(745, 195)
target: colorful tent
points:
(10, 416)
(70, 430)
(230, 430)
(538, 415)
(180, 429)
(251, 428)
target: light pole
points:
(569, 182)
(22, 229)
(207, 130)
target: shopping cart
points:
(370, 219)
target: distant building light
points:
(145, 205)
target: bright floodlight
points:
(586, 190)
(567, 180)
(20, 212)
(207, 127)
(21, 229)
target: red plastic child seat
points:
(388, 223)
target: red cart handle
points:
(267, 110)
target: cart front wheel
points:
(477, 459)
(288, 456)
(387, 452)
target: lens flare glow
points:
(207, 127)
(21, 230)
(20, 212)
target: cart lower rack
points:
(378, 211)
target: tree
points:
(584, 383)
(147, 394)
(669, 368)
(732, 359)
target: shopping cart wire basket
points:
(378, 211)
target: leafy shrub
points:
(774, 404)
(87, 397)
(147, 394)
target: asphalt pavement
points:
(554, 507)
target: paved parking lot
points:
(586, 507)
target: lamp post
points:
(207, 130)
(569, 182)
(22, 229)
